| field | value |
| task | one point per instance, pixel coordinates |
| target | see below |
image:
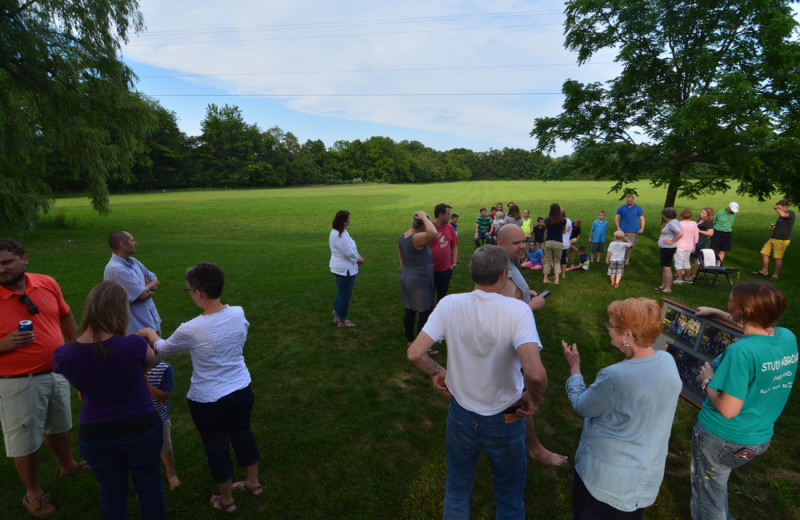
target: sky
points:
(447, 73)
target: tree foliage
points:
(65, 98)
(708, 93)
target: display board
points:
(692, 341)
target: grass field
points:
(347, 428)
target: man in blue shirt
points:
(630, 220)
(138, 281)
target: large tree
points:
(709, 92)
(66, 95)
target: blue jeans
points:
(486, 238)
(441, 283)
(467, 435)
(226, 420)
(712, 461)
(112, 459)
(344, 289)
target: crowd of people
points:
(113, 361)
(493, 374)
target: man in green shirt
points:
(723, 230)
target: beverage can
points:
(25, 326)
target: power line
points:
(330, 25)
(362, 71)
(386, 94)
(331, 36)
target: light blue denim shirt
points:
(131, 275)
(629, 411)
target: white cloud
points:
(330, 49)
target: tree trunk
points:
(672, 189)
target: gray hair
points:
(487, 264)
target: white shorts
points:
(682, 259)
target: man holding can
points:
(35, 401)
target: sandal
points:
(256, 490)
(216, 503)
(41, 506)
(346, 324)
(81, 467)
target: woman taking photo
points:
(555, 224)
(668, 243)
(344, 265)
(220, 398)
(120, 431)
(416, 279)
(746, 388)
(628, 413)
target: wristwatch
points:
(436, 370)
(704, 384)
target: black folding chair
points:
(708, 265)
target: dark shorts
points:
(667, 253)
(598, 247)
(721, 240)
(564, 256)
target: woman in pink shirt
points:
(683, 263)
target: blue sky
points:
(449, 74)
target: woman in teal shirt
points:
(746, 389)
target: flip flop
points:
(346, 324)
(39, 507)
(256, 490)
(80, 468)
(216, 503)
(760, 273)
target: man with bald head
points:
(511, 238)
(138, 281)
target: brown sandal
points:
(41, 506)
(216, 503)
(256, 490)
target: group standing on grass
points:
(113, 363)
(125, 424)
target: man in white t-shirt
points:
(495, 377)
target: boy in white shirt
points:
(615, 257)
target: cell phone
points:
(746, 453)
(545, 293)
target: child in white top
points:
(615, 257)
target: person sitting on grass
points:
(483, 229)
(583, 260)
(615, 256)
(535, 257)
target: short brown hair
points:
(687, 213)
(641, 316)
(757, 302)
(12, 246)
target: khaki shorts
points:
(633, 237)
(31, 406)
(775, 247)
(166, 447)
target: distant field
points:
(346, 426)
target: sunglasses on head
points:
(26, 300)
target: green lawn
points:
(347, 428)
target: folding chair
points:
(708, 265)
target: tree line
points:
(232, 153)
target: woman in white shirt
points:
(344, 265)
(220, 398)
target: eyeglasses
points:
(26, 300)
(610, 326)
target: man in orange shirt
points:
(35, 401)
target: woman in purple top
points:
(120, 431)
